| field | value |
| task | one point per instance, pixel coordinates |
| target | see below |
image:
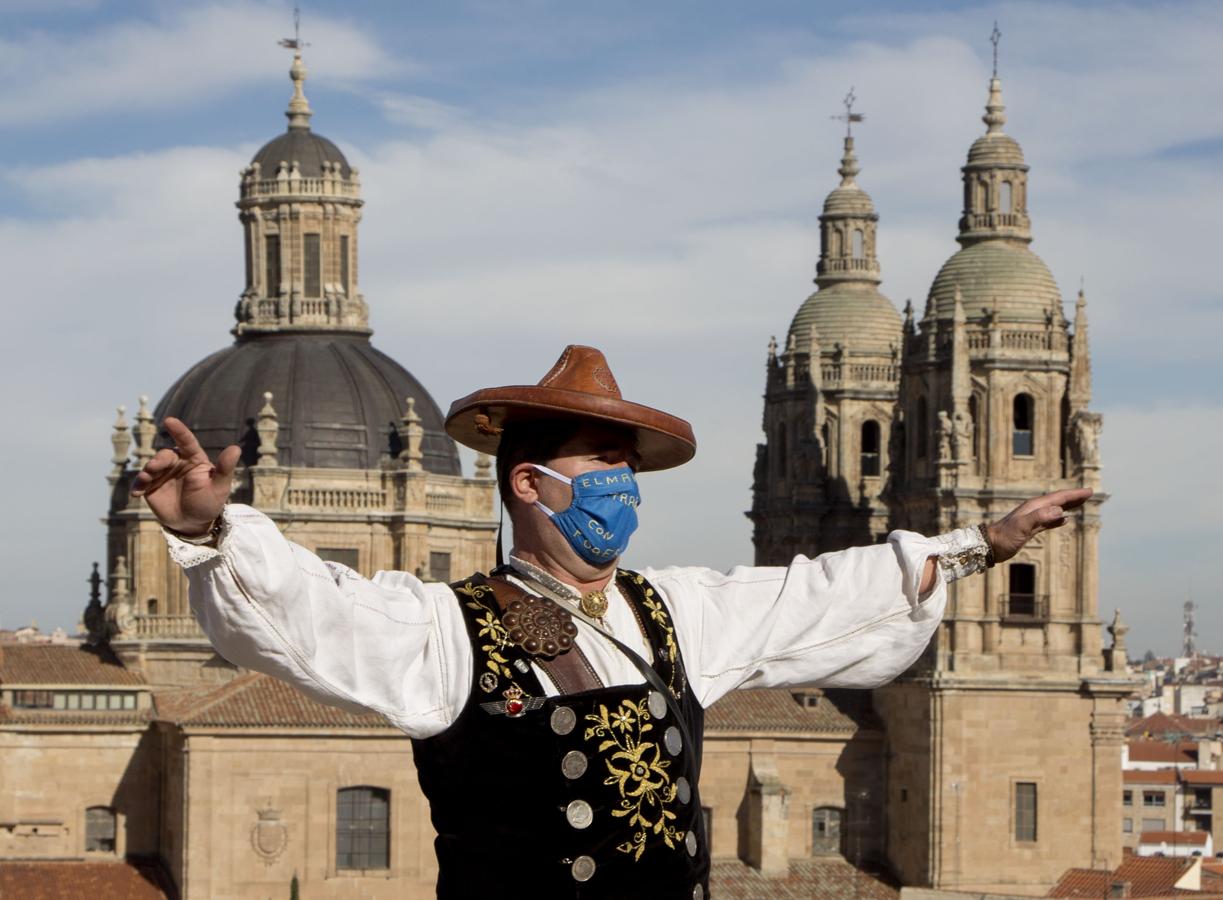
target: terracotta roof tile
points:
(1161, 751)
(1188, 838)
(830, 878)
(72, 880)
(1159, 723)
(1082, 883)
(837, 712)
(9, 716)
(1149, 776)
(29, 664)
(1153, 876)
(1202, 777)
(255, 700)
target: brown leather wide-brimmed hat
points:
(579, 385)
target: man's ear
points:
(522, 483)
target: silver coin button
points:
(574, 764)
(563, 719)
(698, 893)
(579, 814)
(690, 843)
(583, 868)
(674, 742)
(683, 789)
(658, 705)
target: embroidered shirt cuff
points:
(962, 552)
(188, 555)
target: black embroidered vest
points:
(585, 795)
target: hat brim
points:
(663, 441)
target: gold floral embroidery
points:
(490, 628)
(638, 770)
(658, 613)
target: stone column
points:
(767, 814)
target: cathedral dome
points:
(849, 199)
(995, 149)
(1002, 276)
(856, 316)
(303, 146)
(338, 401)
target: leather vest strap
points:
(570, 670)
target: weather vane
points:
(849, 116)
(295, 42)
(994, 37)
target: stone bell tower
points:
(1014, 717)
(341, 445)
(830, 393)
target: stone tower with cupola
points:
(1014, 716)
(341, 445)
(830, 392)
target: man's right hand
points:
(182, 486)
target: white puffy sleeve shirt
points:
(398, 646)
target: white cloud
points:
(671, 223)
(182, 59)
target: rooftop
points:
(253, 700)
(72, 880)
(37, 664)
(833, 712)
(830, 878)
(1148, 876)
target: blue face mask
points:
(603, 514)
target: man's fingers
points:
(1071, 498)
(155, 472)
(184, 440)
(228, 460)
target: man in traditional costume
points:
(556, 704)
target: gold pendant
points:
(594, 604)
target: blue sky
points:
(645, 177)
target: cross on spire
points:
(994, 37)
(849, 117)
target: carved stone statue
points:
(1085, 434)
(946, 430)
(962, 436)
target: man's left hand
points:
(1031, 518)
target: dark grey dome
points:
(338, 401)
(309, 149)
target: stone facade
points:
(1015, 703)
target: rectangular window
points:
(312, 274)
(345, 556)
(363, 828)
(87, 701)
(1127, 826)
(439, 566)
(271, 262)
(99, 830)
(1025, 811)
(344, 264)
(1021, 601)
(1127, 797)
(1152, 798)
(1154, 825)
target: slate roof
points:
(840, 712)
(34, 664)
(254, 700)
(72, 880)
(827, 878)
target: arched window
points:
(363, 828)
(920, 428)
(1024, 414)
(826, 824)
(1005, 199)
(859, 244)
(870, 448)
(151, 604)
(312, 265)
(974, 419)
(1021, 593)
(99, 830)
(271, 264)
(834, 242)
